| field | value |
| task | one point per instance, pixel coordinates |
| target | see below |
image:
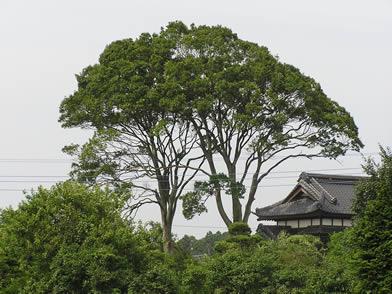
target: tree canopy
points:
(372, 234)
(249, 111)
(166, 106)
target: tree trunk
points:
(235, 200)
(252, 193)
(167, 238)
(168, 244)
(237, 209)
(218, 194)
(248, 207)
(221, 209)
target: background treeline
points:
(75, 239)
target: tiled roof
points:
(328, 193)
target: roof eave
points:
(316, 213)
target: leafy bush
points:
(373, 226)
(239, 228)
(71, 238)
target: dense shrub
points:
(286, 265)
(72, 239)
(373, 226)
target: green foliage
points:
(92, 163)
(72, 239)
(240, 99)
(286, 265)
(194, 279)
(296, 258)
(126, 82)
(356, 260)
(229, 95)
(150, 101)
(200, 247)
(337, 269)
(128, 102)
(373, 226)
(241, 272)
(239, 238)
(194, 202)
(150, 235)
(159, 279)
(239, 228)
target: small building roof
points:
(314, 194)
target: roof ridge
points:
(330, 198)
(332, 176)
(281, 203)
(308, 186)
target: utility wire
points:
(31, 176)
(191, 190)
(148, 181)
(65, 160)
(249, 173)
(185, 190)
(154, 181)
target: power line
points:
(35, 160)
(141, 181)
(37, 181)
(31, 176)
(154, 181)
(13, 190)
(191, 190)
(249, 173)
(67, 161)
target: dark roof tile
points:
(329, 193)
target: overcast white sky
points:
(345, 45)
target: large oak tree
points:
(163, 104)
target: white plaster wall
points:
(303, 223)
(347, 223)
(316, 222)
(337, 222)
(293, 223)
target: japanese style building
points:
(319, 204)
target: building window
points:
(347, 223)
(281, 223)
